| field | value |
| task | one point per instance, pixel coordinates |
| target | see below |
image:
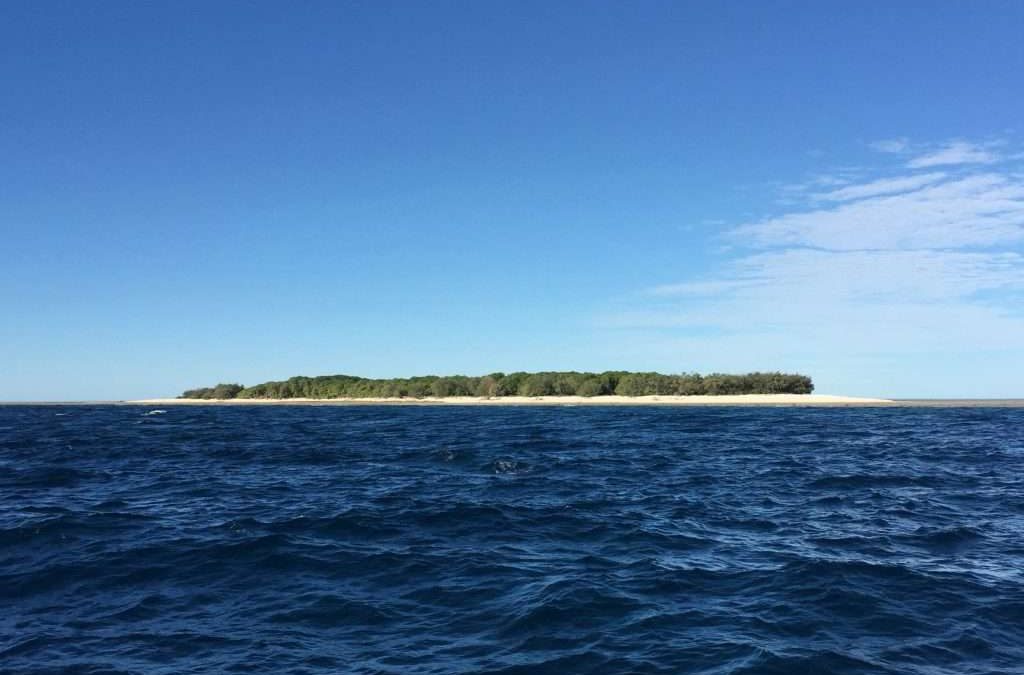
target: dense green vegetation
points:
(515, 384)
(220, 391)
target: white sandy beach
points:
(743, 399)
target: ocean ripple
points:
(511, 540)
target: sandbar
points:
(740, 399)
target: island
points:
(518, 384)
(612, 387)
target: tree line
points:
(568, 383)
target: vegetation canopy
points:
(568, 383)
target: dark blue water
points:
(511, 540)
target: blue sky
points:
(202, 192)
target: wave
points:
(511, 540)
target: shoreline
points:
(806, 401)
(654, 400)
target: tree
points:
(487, 387)
(564, 383)
(590, 387)
(225, 391)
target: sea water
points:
(409, 539)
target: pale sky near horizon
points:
(202, 192)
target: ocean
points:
(408, 539)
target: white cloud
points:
(808, 285)
(882, 187)
(978, 210)
(872, 277)
(924, 269)
(891, 145)
(957, 152)
(698, 288)
(820, 182)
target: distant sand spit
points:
(742, 399)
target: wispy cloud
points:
(957, 152)
(870, 277)
(698, 288)
(976, 210)
(884, 268)
(882, 186)
(890, 145)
